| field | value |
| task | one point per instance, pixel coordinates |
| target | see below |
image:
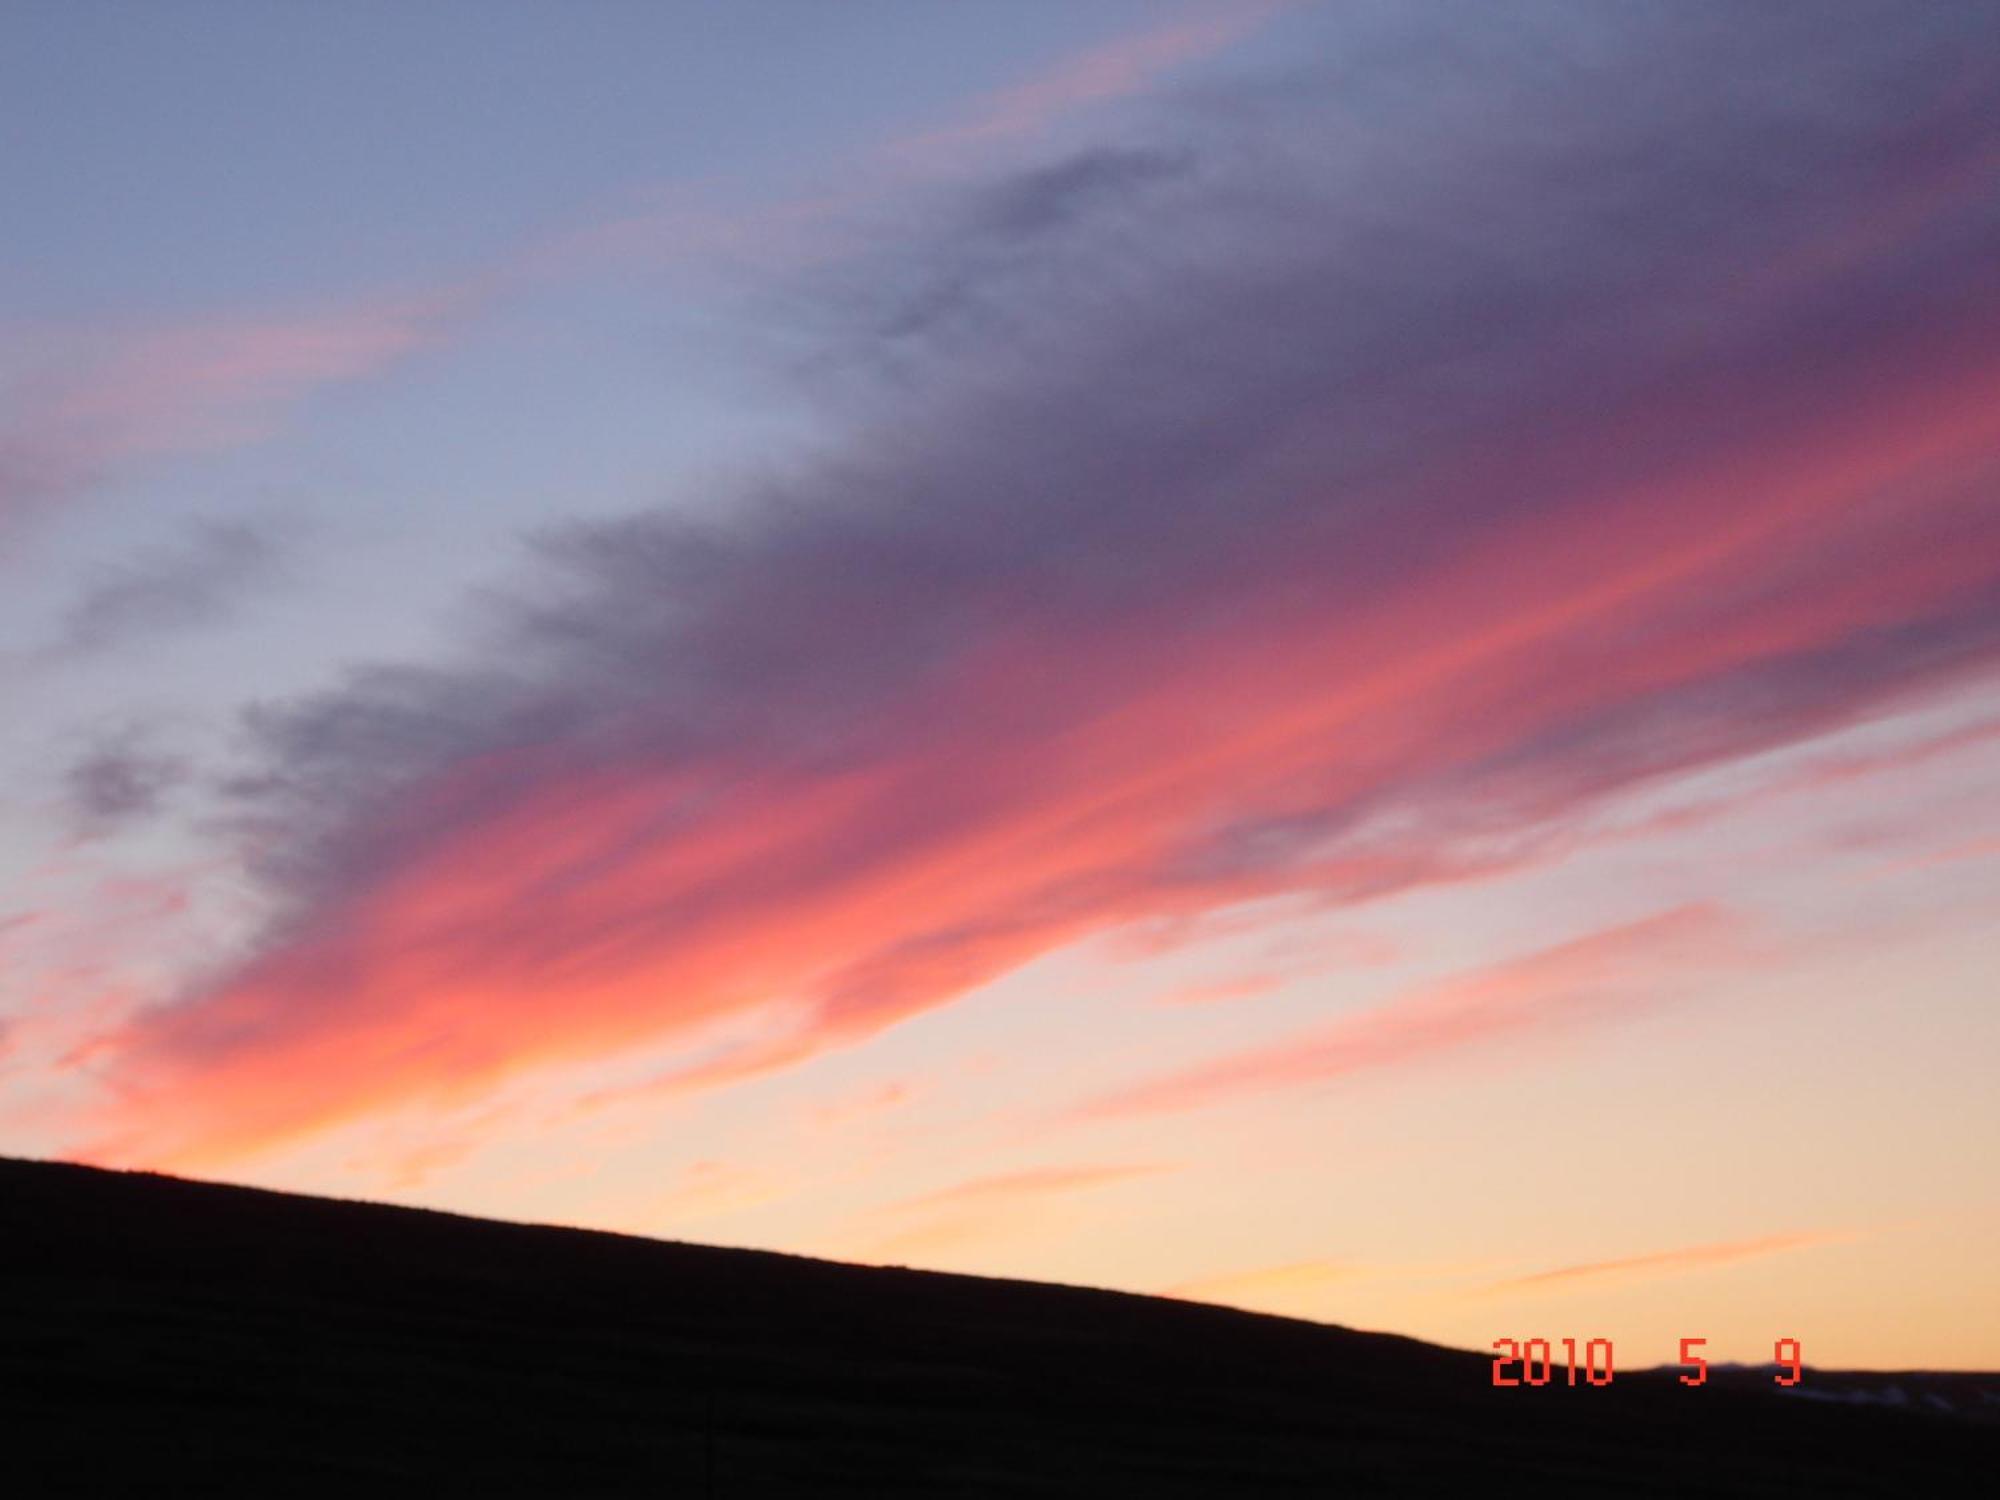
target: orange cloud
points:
(1270, 1287)
(1663, 1263)
(410, 1167)
(986, 1210)
(1016, 1187)
(706, 1189)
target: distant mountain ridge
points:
(1971, 1396)
(160, 1335)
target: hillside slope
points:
(157, 1334)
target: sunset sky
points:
(1342, 658)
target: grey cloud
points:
(122, 779)
(971, 271)
(196, 581)
(1039, 201)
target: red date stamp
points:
(1537, 1360)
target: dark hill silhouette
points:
(165, 1336)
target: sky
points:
(1338, 658)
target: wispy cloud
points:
(1661, 1263)
(1269, 1287)
(124, 777)
(680, 224)
(1221, 991)
(1117, 69)
(196, 581)
(81, 405)
(703, 1190)
(1026, 1186)
(84, 405)
(410, 1167)
(875, 1099)
(990, 1210)
(1584, 982)
(1355, 512)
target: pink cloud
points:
(95, 404)
(1118, 69)
(875, 1099)
(1588, 981)
(1222, 991)
(1126, 635)
(367, 1007)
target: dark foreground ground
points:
(166, 1337)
